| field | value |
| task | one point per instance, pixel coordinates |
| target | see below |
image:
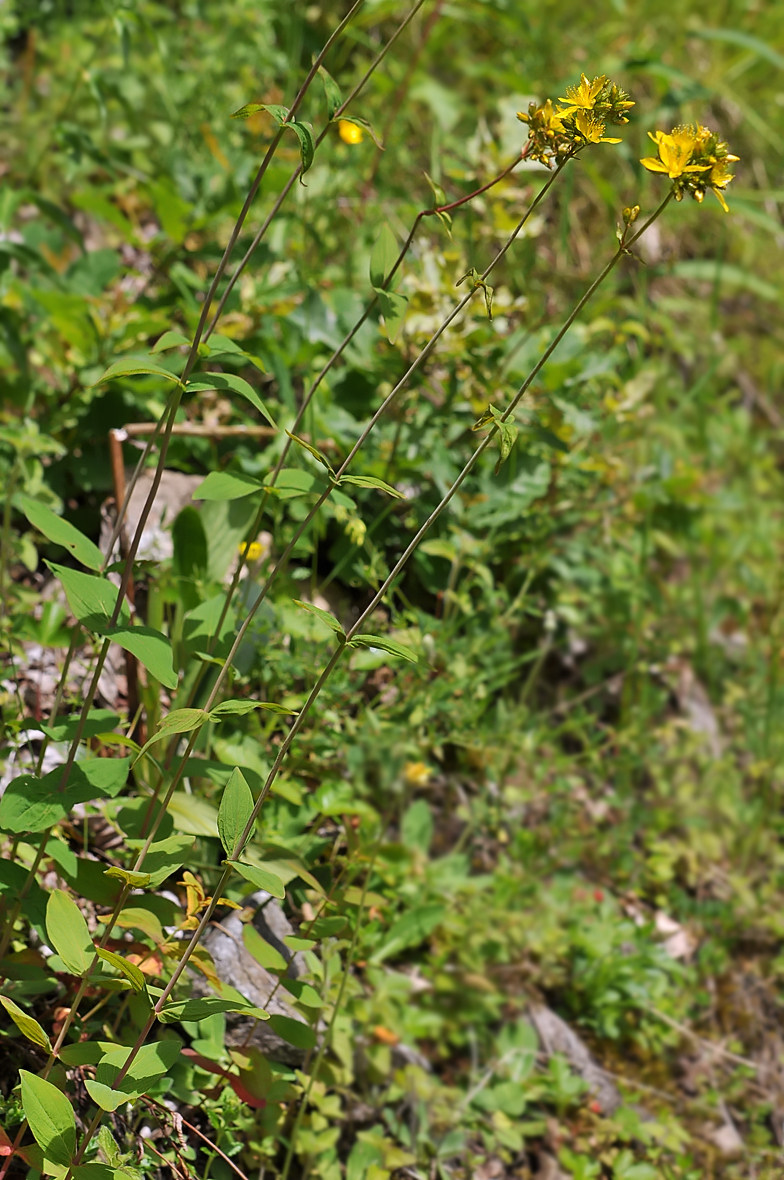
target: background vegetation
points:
(570, 804)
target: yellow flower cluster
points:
(555, 134)
(694, 159)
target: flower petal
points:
(654, 165)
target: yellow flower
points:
(584, 95)
(251, 552)
(349, 132)
(591, 128)
(675, 151)
(417, 774)
(719, 178)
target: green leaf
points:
(91, 599)
(325, 617)
(241, 707)
(294, 1032)
(327, 927)
(55, 529)
(134, 366)
(385, 644)
(230, 382)
(170, 340)
(104, 1096)
(51, 1118)
(27, 1025)
(304, 993)
(235, 810)
(134, 880)
(383, 257)
(135, 918)
(410, 930)
(312, 450)
(129, 970)
(227, 485)
(166, 856)
(332, 92)
(370, 481)
(265, 954)
(293, 481)
(278, 113)
(63, 728)
(151, 648)
(178, 721)
(146, 1067)
(366, 126)
(68, 934)
(307, 148)
(393, 308)
(260, 878)
(295, 943)
(30, 804)
(196, 1010)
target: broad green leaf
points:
(295, 943)
(165, 857)
(201, 1009)
(235, 810)
(129, 970)
(51, 1118)
(85, 1052)
(68, 933)
(170, 340)
(304, 993)
(370, 481)
(325, 617)
(30, 804)
(91, 599)
(260, 878)
(281, 116)
(61, 532)
(230, 382)
(410, 930)
(178, 721)
(147, 1066)
(383, 256)
(134, 366)
(393, 308)
(307, 148)
(264, 954)
(332, 92)
(327, 927)
(104, 1096)
(293, 481)
(385, 644)
(151, 648)
(227, 485)
(294, 1032)
(136, 918)
(241, 707)
(63, 728)
(27, 1025)
(134, 880)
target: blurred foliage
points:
(587, 756)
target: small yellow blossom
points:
(695, 160)
(675, 151)
(251, 552)
(349, 132)
(417, 774)
(591, 128)
(583, 96)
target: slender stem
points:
(298, 170)
(326, 1039)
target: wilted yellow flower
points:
(695, 160)
(583, 96)
(591, 128)
(356, 530)
(417, 774)
(349, 132)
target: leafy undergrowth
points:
(512, 907)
